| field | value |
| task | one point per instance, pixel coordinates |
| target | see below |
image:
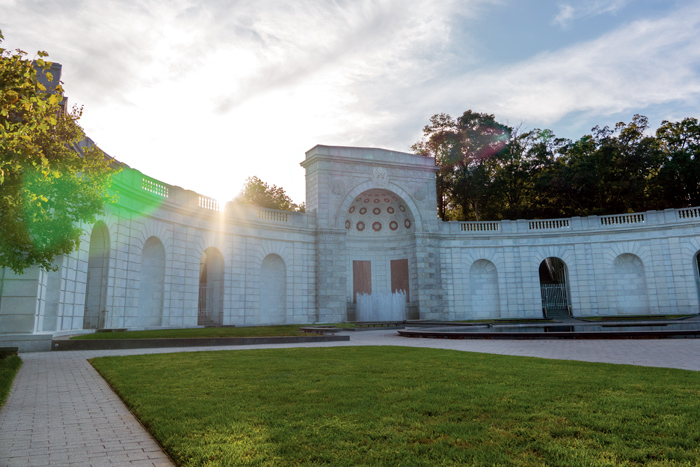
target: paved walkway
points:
(60, 412)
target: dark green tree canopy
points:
(50, 179)
(259, 193)
(489, 172)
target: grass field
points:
(8, 370)
(407, 406)
(254, 331)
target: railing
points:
(689, 213)
(209, 203)
(622, 219)
(272, 215)
(480, 226)
(549, 224)
(154, 187)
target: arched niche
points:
(630, 285)
(97, 274)
(273, 290)
(483, 286)
(211, 288)
(152, 283)
(554, 288)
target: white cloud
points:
(642, 64)
(568, 12)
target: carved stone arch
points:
(368, 185)
(564, 253)
(99, 253)
(161, 230)
(634, 248)
(152, 282)
(274, 247)
(273, 289)
(207, 239)
(489, 254)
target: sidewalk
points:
(61, 412)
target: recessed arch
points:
(554, 287)
(97, 274)
(211, 288)
(273, 290)
(391, 188)
(630, 286)
(484, 294)
(152, 290)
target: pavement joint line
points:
(61, 412)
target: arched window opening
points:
(554, 288)
(211, 288)
(96, 284)
(273, 290)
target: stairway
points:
(558, 313)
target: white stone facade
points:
(371, 217)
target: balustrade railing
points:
(154, 187)
(272, 215)
(549, 224)
(209, 203)
(622, 219)
(480, 226)
(689, 213)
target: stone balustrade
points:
(574, 224)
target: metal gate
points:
(554, 296)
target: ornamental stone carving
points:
(380, 177)
(420, 192)
(338, 186)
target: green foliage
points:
(489, 172)
(8, 370)
(50, 179)
(407, 406)
(259, 193)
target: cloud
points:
(568, 12)
(644, 63)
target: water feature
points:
(382, 306)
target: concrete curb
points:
(121, 344)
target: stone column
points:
(430, 288)
(331, 272)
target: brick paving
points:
(61, 412)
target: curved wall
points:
(145, 254)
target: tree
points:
(462, 149)
(259, 193)
(50, 179)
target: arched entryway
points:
(96, 284)
(273, 290)
(554, 288)
(381, 256)
(211, 288)
(152, 283)
(630, 285)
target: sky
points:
(206, 93)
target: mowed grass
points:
(407, 406)
(253, 331)
(9, 367)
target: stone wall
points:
(143, 268)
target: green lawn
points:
(408, 406)
(9, 367)
(254, 331)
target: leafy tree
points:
(462, 148)
(50, 179)
(259, 193)
(678, 183)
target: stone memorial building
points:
(164, 257)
